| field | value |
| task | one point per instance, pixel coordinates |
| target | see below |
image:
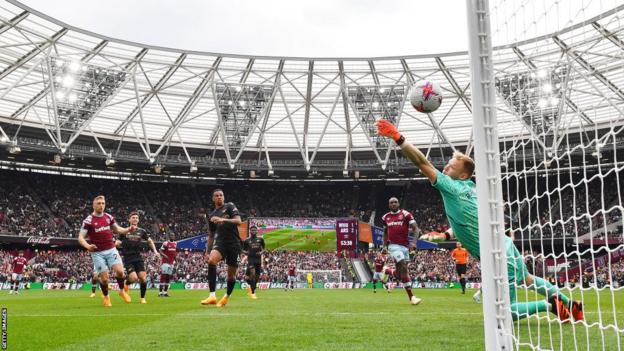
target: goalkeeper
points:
(459, 194)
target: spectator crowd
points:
(77, 266)
(37, 204)
(427, 266)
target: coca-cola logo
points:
(39, 240)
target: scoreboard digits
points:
(346, 234)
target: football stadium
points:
(156, 197)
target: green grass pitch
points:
(305, 319)
(300, 240)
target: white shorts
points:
(378, 275)
(16, 277)
(103, 261)
(398, 252)
(292, 278)
(166, 268)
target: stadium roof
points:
(158, 98)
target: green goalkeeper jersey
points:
(460, 204)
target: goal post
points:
(547, 94)
(496, 311)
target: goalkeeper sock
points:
(521, 310)
(543, 287)
(212, 277)
(462, 281)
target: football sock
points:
(143, 286)
(120, 282)
(212, 277)
(104, 288)
(161, 286)
(407, 283)
(230, 286)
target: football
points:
(426, 96)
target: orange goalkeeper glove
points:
(387, 129)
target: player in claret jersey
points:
(292, 276)
(380, 262)
(99, 226)
(397, 225)
(168, 251)
(19, 263)
(94, 283)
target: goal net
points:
(320, 276)
(556, 69)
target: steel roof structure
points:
(64, 89)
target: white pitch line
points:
(249, 314)
(228, 314)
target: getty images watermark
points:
(4, 328)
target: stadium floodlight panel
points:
(366, 102)
(81, 90)
(240, 108)
(534, 95)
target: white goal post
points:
(496, 315)
(547, 94)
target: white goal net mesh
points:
(320, 276)
(559, 81)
